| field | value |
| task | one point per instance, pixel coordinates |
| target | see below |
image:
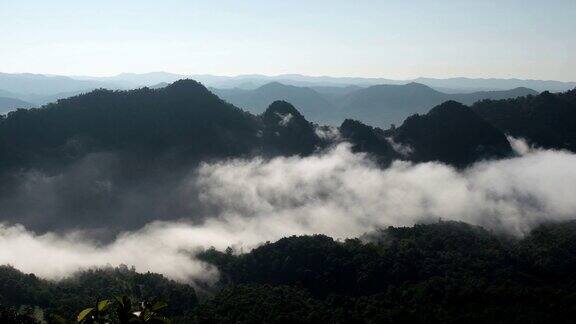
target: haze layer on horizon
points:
(527, 39)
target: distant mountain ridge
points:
(312, 104)
(8, 104)
(379, 105)
(45, 85)
(41, 89)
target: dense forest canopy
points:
(445, 272)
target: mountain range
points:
(253, 81)
(7, 104)
(379, 105)
(132, 142)
(41, 89)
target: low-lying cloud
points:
(337, 193)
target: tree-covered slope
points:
(184, 117)
(546, 120)
(439, 273)
(451, 133)
(445, 272)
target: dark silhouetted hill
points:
(367, 139)
(546, 120)
(184, 119)
(286, 131)
(451, 133)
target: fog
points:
(337, 193)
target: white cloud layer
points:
(337, 193)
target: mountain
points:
(46, 99)
(379, 105)
(546, 120)
(8, 104)
(184, 122)
(313, 105)
(383, 105)
(4, 93)
(336, 91)
(113, 160)
(116, 160)
(449, 85)
(451, 133)
(471, 98)
(160, 85)
(184, 116)
(44, 85)
(479, 84)
(287, 132)
(136, 80)
(371, 140)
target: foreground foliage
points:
(440, 273)
(66, 298)
(446, 272)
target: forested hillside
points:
(547, 120)
(446, 272)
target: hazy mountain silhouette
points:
(379, 105)
(313, 105)
(253, 81)
(41, 89)
(136, 80)
(479, 84)
(160, 85)
(383, 105)
(8, 104)
(471, 98)
(455, 85)
(43, 85)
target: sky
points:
(401, 39)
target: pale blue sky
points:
(392, 39)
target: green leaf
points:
(84, 313)
(103, 305)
